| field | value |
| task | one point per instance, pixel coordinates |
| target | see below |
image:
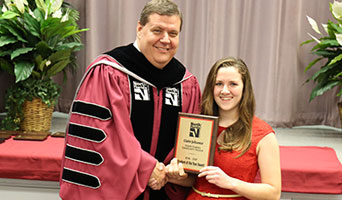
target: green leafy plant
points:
(329, 49)
(45, 89)
(38, 40)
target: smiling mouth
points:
(226, 98)
(163, 49)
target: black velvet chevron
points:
(91, 110)
(86, 133)
(80, 178)
(82, 155)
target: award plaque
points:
(32, 135)
(195, 141)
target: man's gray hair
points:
(161, 7)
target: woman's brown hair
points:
(238, 136)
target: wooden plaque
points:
(32, 135)
(195, 141)
(58, 134)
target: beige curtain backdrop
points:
(264, 33)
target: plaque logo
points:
(195, 129)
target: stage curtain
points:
(264, 33)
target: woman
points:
(245, 143)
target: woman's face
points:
(228, 90)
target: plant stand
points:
(37, 116)
(339, 105)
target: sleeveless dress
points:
(244, 168)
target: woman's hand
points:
(215, 175)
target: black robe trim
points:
(172, 73)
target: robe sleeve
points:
(103, 159)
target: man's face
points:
(158, 39)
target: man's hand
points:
(175, 170)
(158, 177)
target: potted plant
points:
(328, 49)
(38, 40)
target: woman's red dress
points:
(244, 168)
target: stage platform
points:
(310, 161)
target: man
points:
(123, 119)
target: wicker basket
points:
(37, 116)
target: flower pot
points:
(339, 105)
(37, 116)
